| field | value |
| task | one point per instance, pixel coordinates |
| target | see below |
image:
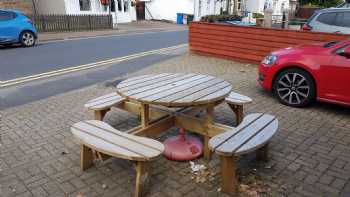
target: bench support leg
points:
(100, 114)
(142, 179)
(238, 110)
(262, 153)
(86, 157)
(228, 174)
(209, 121)
(206, 150)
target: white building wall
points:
(50, 6)
(209, 7)
(72, 7)
(168, 9)
(255, 6)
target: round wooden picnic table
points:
(175, 89)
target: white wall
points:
(207, 7)
(50, 6)
(72, 7)
(255, 6)
(167, 9)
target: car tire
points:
(295, 87)
(27, 39)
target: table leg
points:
(144, 115)
(209, 120)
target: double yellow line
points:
(85, 66)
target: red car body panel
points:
(330, 71)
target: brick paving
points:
(310, 155)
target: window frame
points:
(81, 5)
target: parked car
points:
(15, 27)
(332, 20)
(299, 75)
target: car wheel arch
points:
(296, 67)
(28, 30)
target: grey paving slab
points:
(309, 155)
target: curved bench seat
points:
(253, 134)
(97, 136)
(103, 104)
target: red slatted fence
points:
(250, 44)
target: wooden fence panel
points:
(248, 43)
(57, 23)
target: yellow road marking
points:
(85, 66)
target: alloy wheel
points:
(293, 88)
(28, 39)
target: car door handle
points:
(337, 32)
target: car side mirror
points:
(345, 52)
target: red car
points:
(300, 75)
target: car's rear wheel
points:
(27, 39)
(295, 87)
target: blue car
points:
(15, 27)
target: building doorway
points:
(140, 10)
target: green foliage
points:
(320, 3)
(220, 18)
(258, 15)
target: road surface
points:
(48, 57)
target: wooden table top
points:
(175, 89)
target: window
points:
(327, 18)
(119, 5)
(126, 5)
(339, 19)
(85, 5)
(346, 19)
(6, 16)
(112, 6)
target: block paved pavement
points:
(309, 156)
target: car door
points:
(335, 78)
(8, 29)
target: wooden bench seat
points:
(103, 104)
(236, 102)
(97, 136)
(253, 134)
